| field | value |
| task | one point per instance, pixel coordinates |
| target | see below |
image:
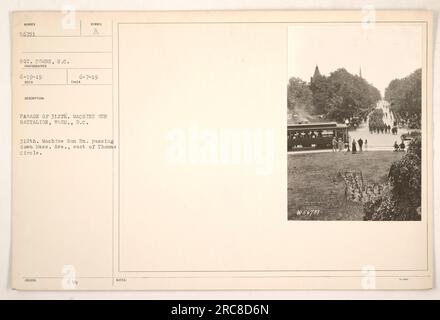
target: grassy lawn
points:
(314, 183)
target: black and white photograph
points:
(154, 152)
(354, 122)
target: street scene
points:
(370, 137)
(381, 137)
(353, 137)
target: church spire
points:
(360, 71)
(316, 74)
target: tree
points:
(402, 201)
(343, 95)
(322, 93)
(338, 96)
(405, 98)
(299, 95)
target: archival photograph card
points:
(240, 150)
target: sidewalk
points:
(344, 151)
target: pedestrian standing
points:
(340, 145)
(353, 147)
(360, 143)
(402, 146)
(334, 144)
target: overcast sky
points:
(384, 52)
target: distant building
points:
(316, 75)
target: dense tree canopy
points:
(338, 96)
(403, 199)
(299, 95)
(350, 96)
(405, 97)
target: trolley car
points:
(315, 135)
